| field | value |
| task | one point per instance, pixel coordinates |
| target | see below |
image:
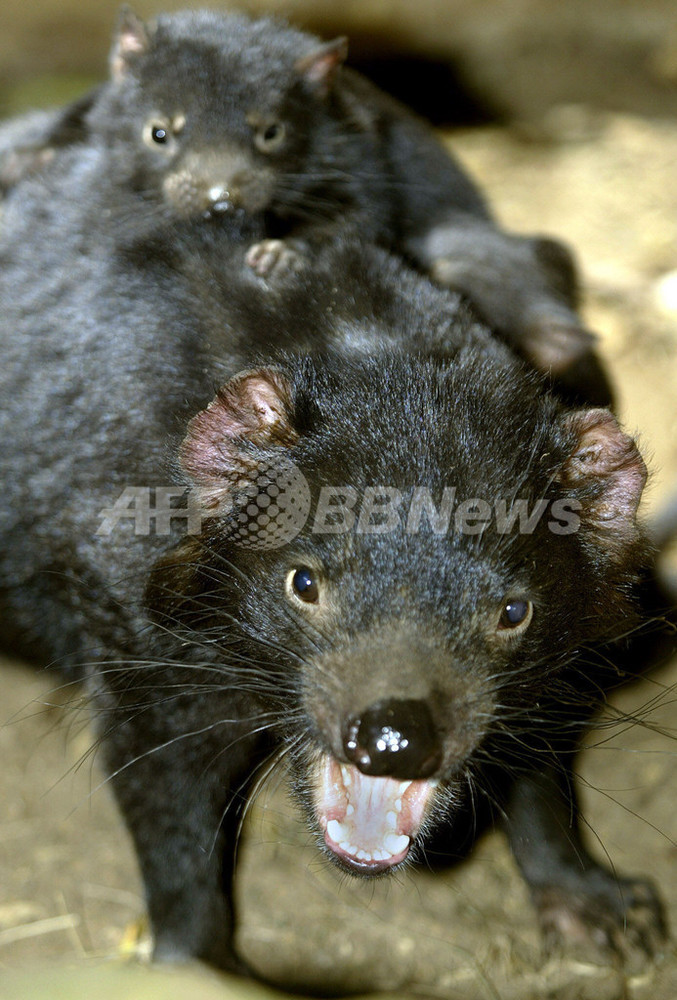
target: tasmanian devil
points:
(406, 566)
(217, 114)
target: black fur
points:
(351, 158)
(199, 660)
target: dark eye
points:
(304, 586)
(160, 131)
(516, 615)
(270, 137)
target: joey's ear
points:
(319, 67)
(252, 408)
(130, 41)
(606, 473)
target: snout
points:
(394, 738)
(371, 803)
(395, 714)
(219, 198)
(217, 182)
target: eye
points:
(270, 137)
(160, 131)
(516, 615)
(303, 585)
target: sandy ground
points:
(69, 891)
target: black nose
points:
(396, 738)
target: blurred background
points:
(565, 114)
(513, 59)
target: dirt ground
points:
(69, 891)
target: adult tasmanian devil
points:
(411, 570)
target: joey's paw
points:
(517, 302)
(273, 258)
(618, 919)
(457, 274)
(555, 343)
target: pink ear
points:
(608, 462)
(319, 67)
(254, 407)
(131, 40)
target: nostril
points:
(394, 737)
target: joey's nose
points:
(220, 198)
(394, 738)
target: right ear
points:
(606, 473)
(253, 408)
(320, 67)
(131, 40)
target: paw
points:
(622, 919)
(271, 258)
(514, 295)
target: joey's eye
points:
(270, 137)
(303, 585)
(160, 131)
(516, 615)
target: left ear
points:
(131, 41)
(607, 473)
(319, 67)
(253, 408)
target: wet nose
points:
(220, 198)
(394, 738)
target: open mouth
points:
(369, 823)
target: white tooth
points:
(396, 843)
(391, 820)
(350, 809)
(380, 855)
(345, 846)
(336, 831)
(353, 849)
(363, 856)
(398, 805)
(403, 786)
(345, 774)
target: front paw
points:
(619, 918)
(273, 258)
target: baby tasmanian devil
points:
(219, 115)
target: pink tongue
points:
(368, 822)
